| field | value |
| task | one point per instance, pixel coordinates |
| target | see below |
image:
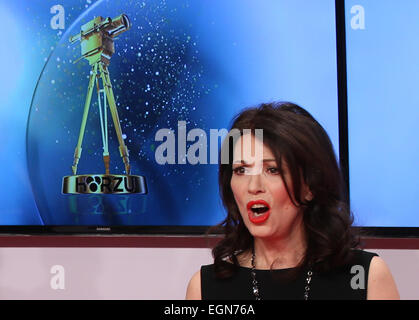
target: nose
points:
(256, 184)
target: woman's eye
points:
(243, 170)
(273, 170)
(239, 170)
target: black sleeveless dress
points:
(348, 282)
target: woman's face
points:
(260, 193)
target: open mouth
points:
(258, 211)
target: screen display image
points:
(181, 68)
(383, 111)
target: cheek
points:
(235, 188)
(282, 198)
(281, 194)
(239, 191)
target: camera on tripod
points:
(96, 38)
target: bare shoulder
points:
(193, 292)
(381, 285)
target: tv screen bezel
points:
(377, 231)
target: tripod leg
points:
(77, 152)
(103, 125)
(123, 150)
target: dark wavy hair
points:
(293, 136)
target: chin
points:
(262, 231)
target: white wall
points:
(136, 273)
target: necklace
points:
(255, 285)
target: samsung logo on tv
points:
(103, 229)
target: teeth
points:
(258, 206)
(259, 209)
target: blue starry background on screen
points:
(195, 61)
(383, 111)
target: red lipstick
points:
(255, 217)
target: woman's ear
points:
(309, 196)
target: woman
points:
(287, 232)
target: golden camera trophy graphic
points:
(97, 46)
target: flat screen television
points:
(383, 112)
(175, 67)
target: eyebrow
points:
(244, 162)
